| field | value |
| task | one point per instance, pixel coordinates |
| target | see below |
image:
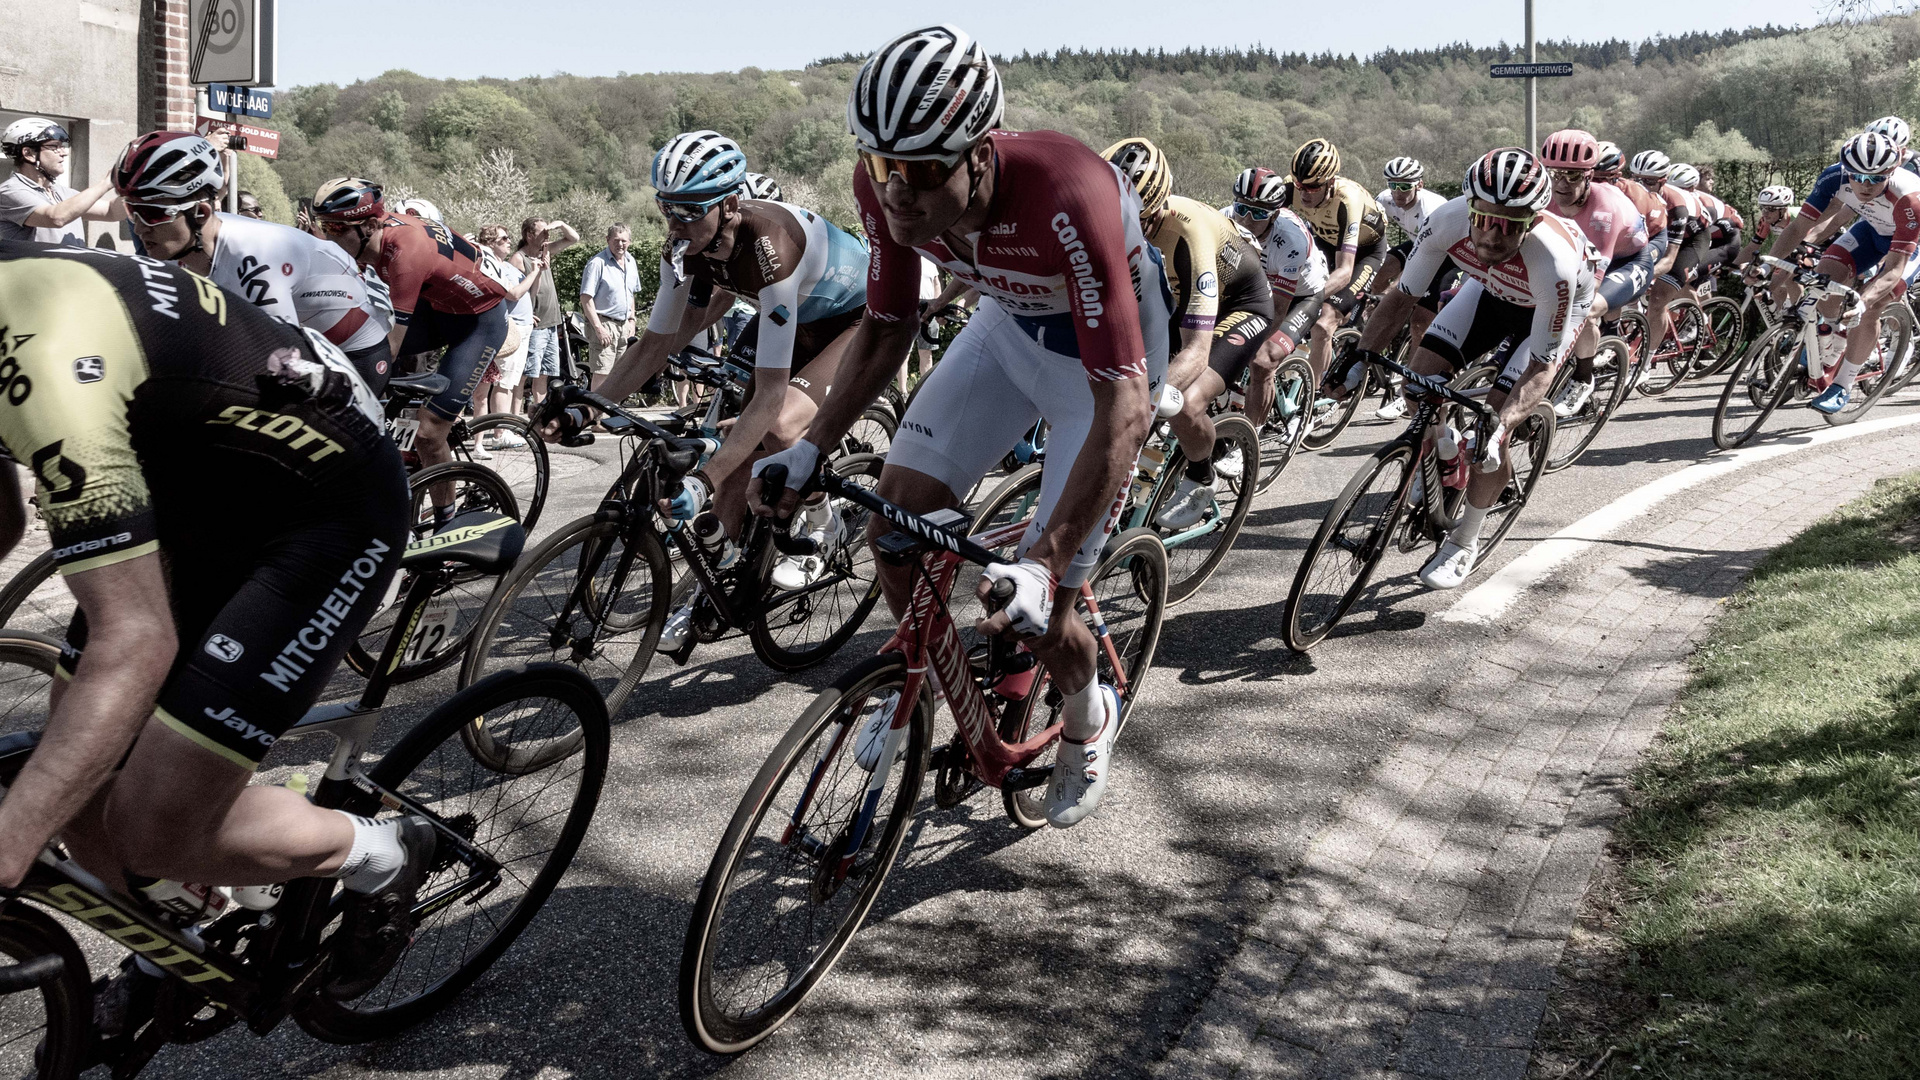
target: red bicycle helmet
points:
(1570, 148)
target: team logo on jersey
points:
(252, 275)
(768, 258)
(286, 269)
(223, 648)
(62, 478)
(1207, 284)
(780, 315)
(89, 369)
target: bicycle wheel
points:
(1529, 448)
(787, 887)
(1612, 362)
(44, 1031)
(1285, 427)
(524, 468)
(530, 825)
(1130, 594)
(1194, 553)
(1885, 370)
(458, 602)
(36, 599)
(798, 629)
(1331, 417)
(26, 680)
(1726, 330)
(1672, 357)
(872, 433)
(1344, 551)
(592, 596)
(1760, 382)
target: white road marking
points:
(1493, 597)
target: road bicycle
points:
(812, 841)
(871, 433)
(1776, 369)
(1673, 357)
(503, 442)
(504, 841)
(1613, 371)
(1379, 509)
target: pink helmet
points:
(1570, 148)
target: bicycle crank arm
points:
(1022, 779)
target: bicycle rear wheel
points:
(26, 680)
(790, 884)
(524, 468)
(1887, 368)
(1529, 448)
(872, 433)
(1612, 363)
(1760, 382)
(529, 824)
(1341, 557)
(36, 599)
(1330, 422)
(1727, 327)
(1285, 426)
(44, 1031)
(1194, 553)
(798, 629)
(1672, 357)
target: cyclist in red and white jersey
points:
(1686, 239)
(1618, 232)
(1778, 206)
(1407, 201)
(1531, 276)
(1296, 271)
(1076, 333)
(1724, 226)
(170, 182)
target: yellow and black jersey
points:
(1349, 219)
(1211, 267)
(120, 375)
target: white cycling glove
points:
(800, 460)
(1032, 602)
(1496, 441)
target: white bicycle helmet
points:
(1893, 128)
(1260, 187)
(1607, 159)
(1650, 163)
(761, 186)
(30, 131)
(420, 208)
(929, 94)
(1779, 196)
(1510, 177)
(1684, 176)
(699, 166)
(167, 168)
(1404, 170)
(1870, 153)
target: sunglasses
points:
(337, 228)
(152, 214)
(1402, 185)
(1252, 213)
(687, 212)
(920, 175)
(1571, 176)
(1868, 178)
(1313, 187)
(1500, 223)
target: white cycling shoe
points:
(673, 636)
(1081, 770)
(872, 737)
(1572, 398)
(1450, 566)
(1230, 466)
(1189, 506)
(826, 530)
(1392, 410)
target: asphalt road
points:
(991, 952)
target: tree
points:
(489, 189)
(257, 176)
(388, 111)
(1707, 143)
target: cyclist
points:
(1880, 248)
(1050, 233)
(1530, 276)
(1901, 134)
(1686, 240)
(1725, 231)
(1348, 228)
(762, 187)
(170, 183)
(1407, 202)
(1223, 313)
(177, 678)
(1296, 274)
(1618, 232)
(806, 277)
(1778, 206)
(1607, 165)
(439, 296)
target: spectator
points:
(496, 390)
(34, 204)
(250, 206)
(303, 217)
(607, 288)
(542, 240)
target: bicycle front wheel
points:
(800, 628)
(1330, 416)
(1285, 427)
(529, 826)
(801, 862)
(1341, 557)
(1194, 553)
(1672, 357)
(524, 467)
(1612, 363)
(1885, 370)
(1529, 448)
(1760, 382)
(44, 1030)
(1726, 334)
(36, 599)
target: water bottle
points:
(1447, 445)
(256, 897)
(713, 539)
(1833, 348)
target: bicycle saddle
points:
(487, 541)
(424, 385)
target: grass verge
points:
(1766, 904)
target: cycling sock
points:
(1081, 716)
(376, 856)
(1849, 371)
(1466, 531)
(442, 515)
(1200, 472)
(817, 514)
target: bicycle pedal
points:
(1023, 779)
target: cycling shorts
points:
(808, 342)
(1237, 340)
(993, 384)
(375, 365)
(471, 342)
(1862, 247)
(1447, 279)
(1366, 266)
(266, 598)
(1628, 278)
(1686, 265)
(1473, 324)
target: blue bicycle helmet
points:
(699, 167)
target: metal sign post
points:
(1532, 71)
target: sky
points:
(515, 38)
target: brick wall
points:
(166, 100)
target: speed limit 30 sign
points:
(231, 41)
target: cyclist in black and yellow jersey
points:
(224, 506)
(1348, 226)
(1222, 313)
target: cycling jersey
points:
(1294, 264)
(1053, 252)
(1716, 210)
(1684, 215)
(1651, 207)
(1896, 210)
(1609, 220)
(298, 278)
(1211, 267)
(797, 268)
(1413, 218)
(1553, 274)
(425, 264)
(1347, 220)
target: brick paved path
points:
(1420, 934)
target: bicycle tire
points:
(872, 433)
(467, 591)
(1192, 563)
(1392, 461)
(1536, 433)
(1328, 426)
(834, 714)
(1138, 554)
(1609, 392)
(529, 481)
(26, 680)
(1872, 385)
(1664, 373)
(521, 620)
(1764, 396)
(580, 709)
(1728, 322)
(40, 570)
(1284, 430)
(66, 1000)
(799, 610)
